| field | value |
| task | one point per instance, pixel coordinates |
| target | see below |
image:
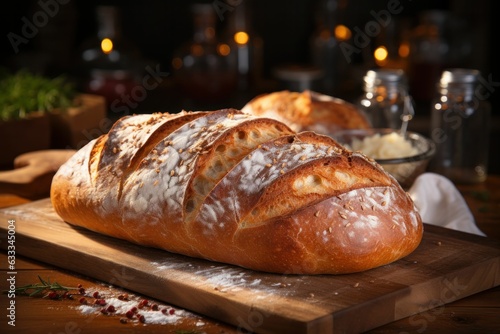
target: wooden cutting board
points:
(33, 172)
(448, 265)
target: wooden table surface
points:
(479, 313)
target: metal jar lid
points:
(460, 81)
(389, 77)
(459, 75)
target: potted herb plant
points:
(37, 112)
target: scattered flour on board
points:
(232, 280)
(227, 279)
(164, 314)
(151, 317)
(218, 277)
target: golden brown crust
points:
(308, 111)
(239, 189)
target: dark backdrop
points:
(158, 27)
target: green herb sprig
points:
(42, 287)
(23, 93)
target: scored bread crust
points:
(308, 111)
(239, 189)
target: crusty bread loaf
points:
(239, 189)
(308, 111)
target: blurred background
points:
(166, 56)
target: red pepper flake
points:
(111, 309)
(142, 303)
(129, 314)
(53, 295)
(168, 311)
(83, 301)
(96, 294)
(100, 302)
(123, 296)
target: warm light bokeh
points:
(241, 37)
(223, 49)
(342, 33)
(177, 63)
(404, 50)
(380, 54)
(106, 45)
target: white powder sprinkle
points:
(232, 280)
(161, 314)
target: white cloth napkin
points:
(440, 203)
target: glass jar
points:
(385, 98)
(460, 127)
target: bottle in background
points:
(205, 66)
(441, 40)
(109, 63)
(460, 126)
(326, 54)
(246, 44)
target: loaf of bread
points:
(308, 111)
(238, 189)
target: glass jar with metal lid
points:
(460, 126)
(385, 99)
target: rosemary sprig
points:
(41, 287)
